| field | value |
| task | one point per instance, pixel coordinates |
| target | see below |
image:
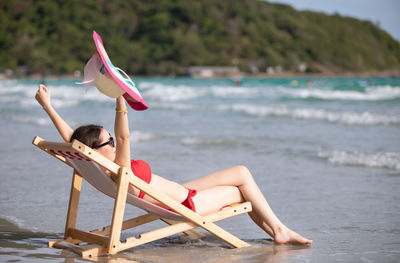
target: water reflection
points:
(203, 251)
(23, 245)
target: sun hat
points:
(94, 74)
(110, 80)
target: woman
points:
(203, 195)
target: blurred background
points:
(168, 37)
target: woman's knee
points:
(244, 172)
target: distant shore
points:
(366, 74)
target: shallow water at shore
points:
(327, 158)
(23, 245)
(19, 245)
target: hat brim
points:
(131, 95)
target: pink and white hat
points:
(108, 79)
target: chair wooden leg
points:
(73, 202)
(119, 209)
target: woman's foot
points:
(283, 236)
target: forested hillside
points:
(165, 37)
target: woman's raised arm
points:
(121, 130)
(43, 97)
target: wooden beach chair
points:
(90, 165)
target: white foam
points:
(71, 94)
(171, 93)
(195, 141)
(377, 93)
(389, 160)
(174, 106)
(139, 136)
(14, 220)
(191, 141)
(234, 92)
(167, 93)
(33, 120)
(62, 96)
(7, 90)
(7, 99)
(39, 121)
(143, 85)
(349, 118)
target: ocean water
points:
(324, 151)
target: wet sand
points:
(20, 245)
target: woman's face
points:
(107, 150)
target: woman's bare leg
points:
(253, 215)
(263, 215)
(214, 198)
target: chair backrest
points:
(95, 175)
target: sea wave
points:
(38, 121)
(169, 93)
(195, 141)
(175, 93)
(349, 118)
(140, 136)
(62, 96)
(33, 120)
(175, 106)
(234, 92)
(18, 222)
(377, 93)
(389, 160)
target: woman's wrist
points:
(121, 110)
(47, 107)
(120, 105)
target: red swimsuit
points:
(142, 170)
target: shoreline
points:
(240, 75)
(17, 244)
(366, 74)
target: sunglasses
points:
(110, 142)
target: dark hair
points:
(88, 134)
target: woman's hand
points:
(43, 96)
